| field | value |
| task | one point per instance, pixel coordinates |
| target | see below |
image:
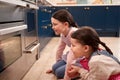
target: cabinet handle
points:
(30, 50)
(87, 8)
(45, 27)
(49, 25)
(44, 10)
(53, 8)
(107, 8)
(66, 8)
(49, 11)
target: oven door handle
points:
(12, 29)
(30, 50)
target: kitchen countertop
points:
(74, 3)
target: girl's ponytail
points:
(104, 45)
(74, 24)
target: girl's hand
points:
(73, 71)
(49, 71)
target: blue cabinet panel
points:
(78, 14)
(111, 21)
(94, 17)
(103, 18)
(118, 23)
(44, 22)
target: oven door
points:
(11, 53)
(30, 36)
(7, 53)
(31, 42)
(14, 63)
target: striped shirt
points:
(64, 41)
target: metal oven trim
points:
(12, 29)
(30, 50)
(20, 3)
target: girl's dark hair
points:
(88, 36)
(64, 16)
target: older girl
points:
(63, 25)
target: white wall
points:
(116, 1)
(105, 1)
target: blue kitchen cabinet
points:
(78, 15)
(119, 23)
(102, 18)
(76, 12)
(105, 19)
(112, 20)
(45, 31)
(88, 16)
(44, 22)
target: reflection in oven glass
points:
(10, 51)
(1, 59)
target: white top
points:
(101, 67)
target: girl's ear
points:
(86, 48)
(66, 23)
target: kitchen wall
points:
(105, 1)
(116, 1)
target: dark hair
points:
(88, 36)
(64, 16)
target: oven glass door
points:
(10, 50)
(30, 33)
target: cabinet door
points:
(111, 21)
(118, 34)
(94, 17)
(44, 22)
(102, 18)
(78, 14)
(105, 19)
(88, 16)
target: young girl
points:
(100, 64)
(63, 25)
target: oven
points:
(11, 55)
(31, 41)
(19, 46)
(8, 55)
(31, 36)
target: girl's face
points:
(77, 48)
(57, 26)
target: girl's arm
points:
(60, 50)
(70, 58)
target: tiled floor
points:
(38, 71)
